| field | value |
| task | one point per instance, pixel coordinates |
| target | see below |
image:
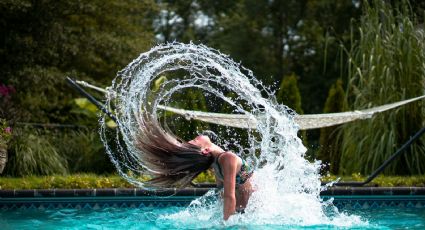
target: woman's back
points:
(242, 168)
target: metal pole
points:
(91, 99)
(386, 163)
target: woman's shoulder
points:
(227, 157)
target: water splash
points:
(287, 185)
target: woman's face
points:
(201, 141)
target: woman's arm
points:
(228, 161)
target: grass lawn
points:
(114, 181)
(382, 181)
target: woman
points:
(175, 163)
(231, 173)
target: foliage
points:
(90, 181)
(330, 144)
(31, 153)
(43, 41)
(385, 65)
(289, 93)
(381, 181)
(205, 177)
(48, 152)
(6, 90)
(83, 151)
(286, 37)
(90, 111)
(278, 38)
(80, 181)
(272, 38)
(5, 136)
(74, 181)
(7, 109)
(5, 132)
(190, 99)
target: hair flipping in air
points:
(172, 162)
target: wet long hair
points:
(171, 161)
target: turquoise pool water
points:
(159, 218)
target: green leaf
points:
(83, 103)
(158, 82)
(111, 124)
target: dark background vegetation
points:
(299, 48)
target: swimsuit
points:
(241, 177)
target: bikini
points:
(241, 177)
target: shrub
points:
(289, 94)
(330, 144)
(189, 99)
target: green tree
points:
(272, 38)
(289, 94)
(185, 127)
(238, 32)
(330, 143)
(285, 37)
(43, 41)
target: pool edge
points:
(93, 199)
(136, 192)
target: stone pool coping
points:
(98, 199)
(136, 192)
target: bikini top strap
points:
(219, 155)
(218, 164)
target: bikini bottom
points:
(240, 210)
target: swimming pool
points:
(379, 208)
(153, 218)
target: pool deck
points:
(343, 197)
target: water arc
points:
(288, 185)
(206, 69)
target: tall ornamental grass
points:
(83, 151)
(39, 152)
(386, 64)
(32, 153)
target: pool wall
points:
(344, 197)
